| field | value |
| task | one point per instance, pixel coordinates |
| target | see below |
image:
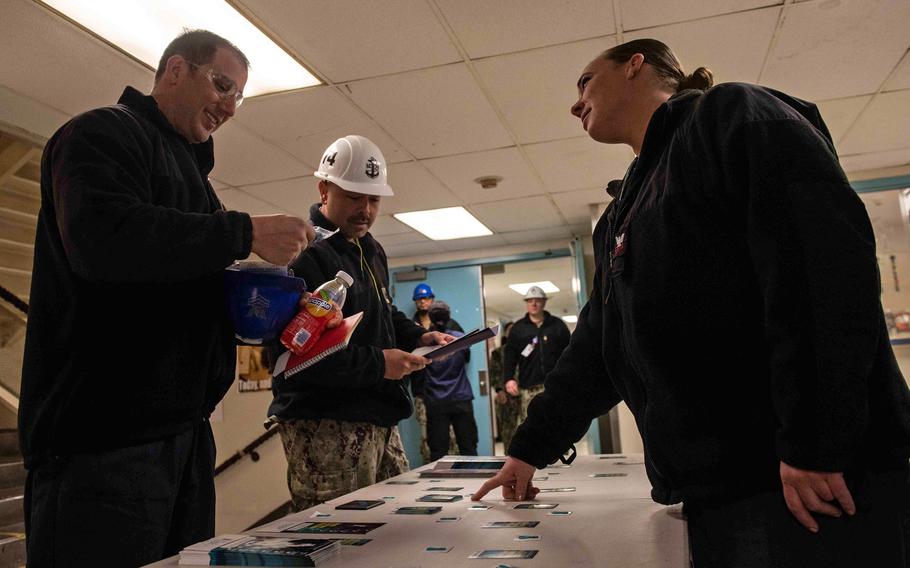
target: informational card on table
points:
(511, 524)
(496, 553)
(308, 527)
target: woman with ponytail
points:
(736, 310)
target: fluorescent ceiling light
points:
(143, 29)
(444, 224)
(546, 286)
(570, 319)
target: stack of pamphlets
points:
(245, 550)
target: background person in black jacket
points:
(131, 236)
(447, 394)
(535, 343)
(338, 419)
(736, 309)
(423, 297)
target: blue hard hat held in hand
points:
(261, 299)
(423, 290)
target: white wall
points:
(248, 490)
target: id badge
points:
(527, 350)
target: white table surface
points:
(613, 522)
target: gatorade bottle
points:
(307, 325)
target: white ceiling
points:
(452, 90)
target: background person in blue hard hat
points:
(338, 419)
(448, 395)
(736, 308)
(535, 343)
(423, 297)
(129, 254)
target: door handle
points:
(482, 380)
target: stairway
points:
(12, 485)
(20, 199)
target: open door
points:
(462, 289)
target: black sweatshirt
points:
(128, 339)
(735, 308)
(349, 385)
(546, 342)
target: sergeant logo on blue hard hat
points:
(423, 291)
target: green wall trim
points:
(880, 184)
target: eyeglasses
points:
(224, 86)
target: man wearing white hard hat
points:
(535, 343)
(338, 419)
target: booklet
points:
(463, 342)
(245, 550)
(331, 341)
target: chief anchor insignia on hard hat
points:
(372, 168)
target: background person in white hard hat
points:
(338, 419)
(535, 343)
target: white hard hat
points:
(535, 292)
(354, 163)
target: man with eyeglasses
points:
(130, 248)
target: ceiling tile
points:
(409, 238)
(901, 79)
(637, 14)
(489, 28)
(305, 122)
(839, 114)
(518, 214)
(415, 190)
(459, 172)
(882, 126)
(538, 235)
(388, 225)
(829, 50)
(732, 46)
(413, 249)
(575, 205)
(347, 39)
(578, 163)
(238, 200)
(243, 157)
(875, 160)
(294, 196)
(55, 72)
(433, 112)
(473, 243)
(540, 113)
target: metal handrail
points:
(13, 299)
(249, 450)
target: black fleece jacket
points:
(735, 308)
(128, 338)
(349, 385)
(548, 342)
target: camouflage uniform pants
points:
(507, 417)
(526, 396)
(329, 458)
(420, 413)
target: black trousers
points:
(125, 507)
(461, 417)
(760, 532)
